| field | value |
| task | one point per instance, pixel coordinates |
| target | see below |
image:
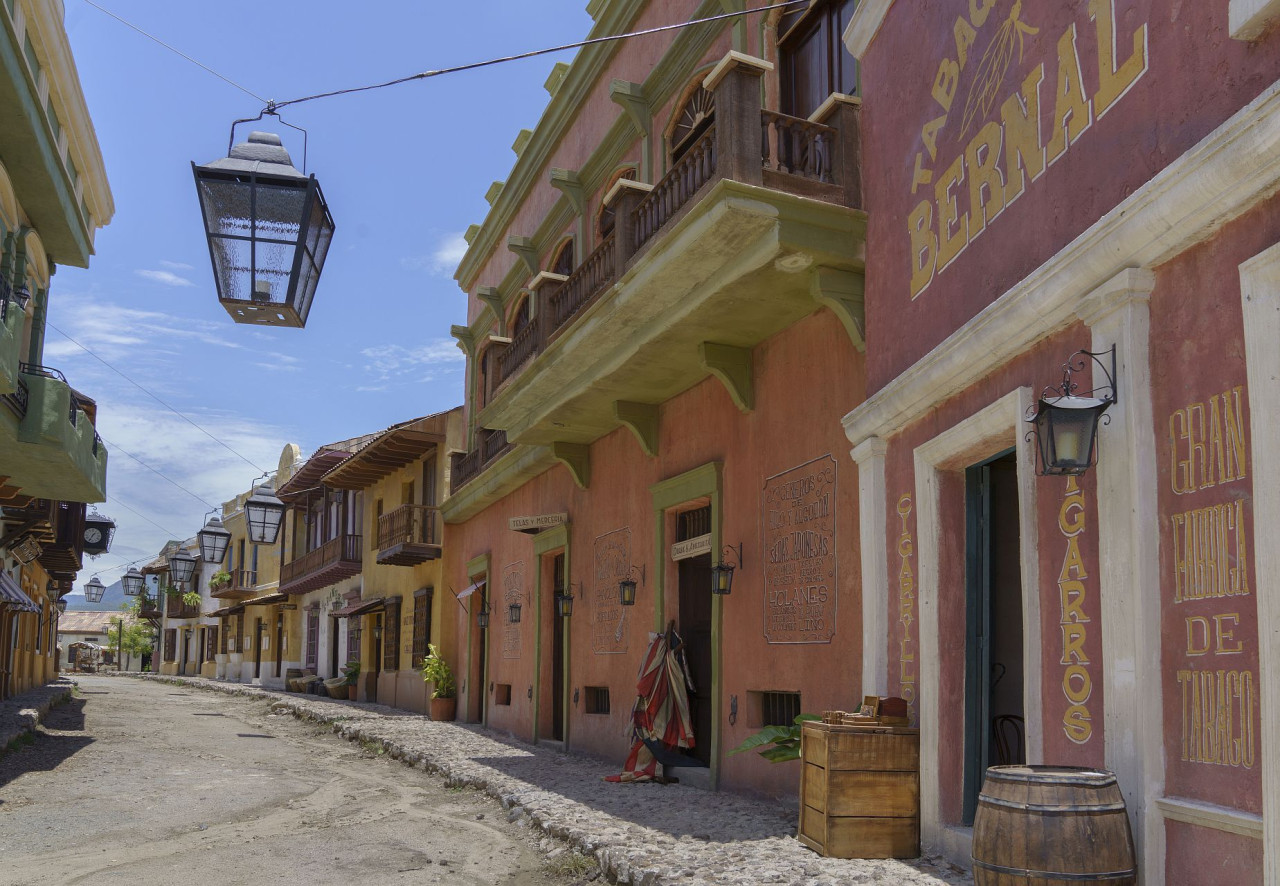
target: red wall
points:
(806, 378)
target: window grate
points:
(391, 635)
(779, 708)
(691, 524)
(421, 625)
(597, 699)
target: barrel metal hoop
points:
(1097, 877)
(1046, 809)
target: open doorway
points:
(694, 627)
(994, 714)
(479, 675)
(552, 676)
(258, 629)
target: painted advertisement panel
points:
(799, 552)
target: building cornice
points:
(864, 25)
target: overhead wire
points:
(157, 472)
(155, 397)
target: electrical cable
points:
(193, 61)
(153, 396)
(273, 106)
(159, 474)
(142, 515)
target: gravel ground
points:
(643, 834)
(154, 785)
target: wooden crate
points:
(860, 790)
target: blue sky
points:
(404, 170)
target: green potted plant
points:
(220, 580)
(351, 675)
(444, 691)
(783, 742)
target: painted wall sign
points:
(906, 609)
(1077, 680)
(683, 550)
(536, 523)
(799, 552)
(612, 563)
(510, 591)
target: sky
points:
(404, 171)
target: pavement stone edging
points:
(21, 714)
(772, 858)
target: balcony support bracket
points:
(642, 420)
(528, 253)
(577, 458)
(732, 365)
(493, 298)
(842, 292)
(566, 181)
(466, 340)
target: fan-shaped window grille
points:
(563, 263)
(691, 121)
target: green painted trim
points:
(493, 298)
(527, 251)
(552, 539)
(577, 458)
(642, 420)
(547, 542)
(478, 566)
(842, 292)
(494, 192)
(704, 481)
(630, 97)
(732, 365)
(521, 142)
(537, 642)
(567, 182)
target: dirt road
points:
(146, 783)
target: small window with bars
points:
(391, 635)
(597, 699)
(778, 708)
(353, 639)
(694, 523)
(211, 642)
(313, 639)
(421, 625)
(170, 644)
(222, 637)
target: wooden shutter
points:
(391, 635)
(421, 625)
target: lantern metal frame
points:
(133, 582)
(262, 164)
(722, 572)
(514, 612)
(627, 586)
(182, 566)
(482, 617)
(564, 602)
(106, 526)
(60, 605)
(1086, 410)
(257, 508)
(214, 539)
(94, 590)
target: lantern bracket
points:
(1078, 362)
(269, 110)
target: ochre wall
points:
(805, 379)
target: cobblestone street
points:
(643, 834)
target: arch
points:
(8, 202)
(37, 260)
(694, 112)
(605, 215)
(521, 316)
(564, 261)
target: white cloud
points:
(176, 265)
(441, 261)
(115, 333)
(168, 278)
(388, 362)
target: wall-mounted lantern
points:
(98, 533)
(132, 581)
(722, 572)
(268, 228)
(61, 605)
(482, 619)
(627, 587)
(181, 566)
(1065, 420)
(94, 590)
(564, 603)
(214, 539)
(263, 514)
(514, 612)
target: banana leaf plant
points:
(784, 741)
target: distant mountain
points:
(111, 600)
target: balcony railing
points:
(241, 584)
(676, 188)
(18, 400)
(149, 608)
(50, 372)
(795, 146)
(175, 608)
(592, 277)
(492, 443)
(524, 344)
(336, 559)
(409, 535)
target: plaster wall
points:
(803, 377)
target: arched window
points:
(692, 120)
(563, 263)
(606, 217)
(521, 319)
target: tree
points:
(136, 640)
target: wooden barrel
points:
(1051, 826)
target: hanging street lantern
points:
(264, 513)
(722, 572)
(98, 533)
(133, 582)
(181, 566)
(1065, 420)
(61, 605)
(94, 590)
(213, 540)
(268, 229)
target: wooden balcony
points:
(467, 466)
(175, 608)
(753, 228)
(336, 559)
(241, 585)
(409, 535)
(150, 609)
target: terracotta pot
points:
(444, 708)
(351, 692)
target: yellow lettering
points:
(965, 35)
(1234, 433)
(1072, 113)
(1114, 81)
(1225, 642)
(929, 135)
(1200, 646)
(924, 246)
(1180, 476)
(951, 243)
(986, 181)
(1073, 637)
(945, 82)
(1023, 151)
(979, 10)
(1077, 684)
(920, 176)
(1071, 595)
(1077, 724)
(1073, 562)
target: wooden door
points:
(694, 626)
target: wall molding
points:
(864, 25)
(873, 519)
(1209, 815)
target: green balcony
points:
(10, 348)
(51, 449)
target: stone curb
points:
(620, 862)
(21, 714)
